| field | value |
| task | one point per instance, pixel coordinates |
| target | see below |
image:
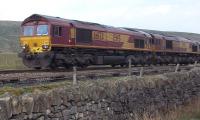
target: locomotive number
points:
(97, 35)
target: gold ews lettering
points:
(107, 36)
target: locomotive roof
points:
(82, 24)
(157, 36)
(76, 23)
(100, 27)
(136, 32)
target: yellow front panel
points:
(35, 43)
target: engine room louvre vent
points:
(83, 35)
(139, 43)
(169, 44)
(194, 48)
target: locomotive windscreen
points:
(28, 30)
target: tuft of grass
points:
(191, 111)
(30, 89)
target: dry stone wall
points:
(106, 100)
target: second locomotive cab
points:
(51, 42)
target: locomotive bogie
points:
(41, 60)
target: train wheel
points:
(83, 66)
(113, 65)
(68, 66)
(122, 65)
(87, 63)
(52, 66)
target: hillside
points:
(9, 35)
(9, 32)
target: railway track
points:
(18, 78)
(57, 70)
(70, 70)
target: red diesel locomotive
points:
(51, 42)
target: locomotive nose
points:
(36, 44)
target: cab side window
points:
(57, 31)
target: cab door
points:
(60, 34)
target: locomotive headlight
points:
(24, 46)
(45, 46)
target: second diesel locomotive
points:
(51, 42)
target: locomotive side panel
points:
(110, 40)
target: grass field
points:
(10, 61)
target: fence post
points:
(129, 67)
(141, 71)
(74, 75)
(177, 67)
(195, 64)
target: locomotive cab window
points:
(169, 44)
(28, 30)
(57, 30)
(42, 30)
(83, 35)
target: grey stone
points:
(40, 103)
(54, 98)
(66, 112)
(48, 111)
(80, 115)
(5, 106)
(27, 103)
(16, 106)
(55, 119)
(41, 118)
(73, 110)
(36, 115)
(58, 115)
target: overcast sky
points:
(166, 15)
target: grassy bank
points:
(190, 111)
(10, 61)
